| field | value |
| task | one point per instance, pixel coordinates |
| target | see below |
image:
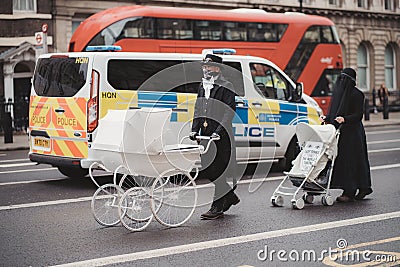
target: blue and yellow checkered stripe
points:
(275, 113)
(270, 113)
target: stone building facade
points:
(368, 29)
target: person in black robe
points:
(351, 171)
(214, 111)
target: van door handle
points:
(240, 103)
(180, 109)
(59, 110)
(256, 104)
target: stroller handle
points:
(202, 137)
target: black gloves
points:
(193, 135)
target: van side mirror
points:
(297, 92)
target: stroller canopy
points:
(317, 133)
(142, 131)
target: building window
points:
(24, 5)
(361, 3)
(362, 68)
(333, 2)
(390, 67)
(389, 5)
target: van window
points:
(61, 76)
(163, 75)
(269, 82)
(235, 77)
(149, 75)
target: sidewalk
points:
(21, 140)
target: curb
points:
(15, 148)
(367, 124)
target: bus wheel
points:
(293, 150)
(73, 172)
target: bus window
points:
(311, 35)
(326, 34)
(137, 28)
(235, 31)
(127, 28)
(320, 34)
(325, 83)
(177, 29)
(265, 32)
(207, 30)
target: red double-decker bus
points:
(306, 47)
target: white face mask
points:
(207, 74)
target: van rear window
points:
(60, 76)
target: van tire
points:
(285, 164)
(73, 172)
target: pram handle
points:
(202, 137)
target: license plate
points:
(41, 143)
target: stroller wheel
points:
(327, 200)
(308, 199)
(105, 204)
(277, 201)
(134, 209)
(298, 204)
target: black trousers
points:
(216, 167)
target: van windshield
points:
(60, 76)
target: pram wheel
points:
(308, 199)
(173, 202)
(277, 201)
(297, 204)
(104, 204)
(327, 200)
(133, 209)
(129, 181)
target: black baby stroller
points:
(311, 172)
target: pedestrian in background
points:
(214, 111)
(382, 92)
(351, 171)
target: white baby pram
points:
(156, 174)
(311, 172)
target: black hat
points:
(349, 72)
(212, 60)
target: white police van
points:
(71, 92)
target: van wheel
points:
(73, 172)
(292, 151)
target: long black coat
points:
(218, 111)
(352, 170)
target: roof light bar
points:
(219, 51)
(100, 48)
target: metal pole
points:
(385, 107)
(366, 109)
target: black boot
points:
(230, 199)
(362, 193)
(215, 212)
